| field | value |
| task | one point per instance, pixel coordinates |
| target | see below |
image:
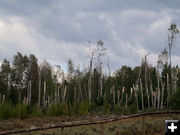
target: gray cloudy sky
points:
(57, 30)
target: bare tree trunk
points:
(39, 90)
(151, 89)
(168, 90)
(113, 95)
(126, 100)
(64, 93)
(152, 98)
(158, 104)
(155, 98)
(44, 94)
(28, 87)
(122, 96)
(3, 98)
(80, 91)
(136, 96)
(101, 87)
(55, 92)
(89, 82)
(29, 98)
(75, 99)
(8, 84)
(142, 97)
(109, 69)
(58, 94)
(147, 91)
(162, 94)
(118, 96)
(175, 78)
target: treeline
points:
(144, 87)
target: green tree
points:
(5, 74)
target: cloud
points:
(59, 30)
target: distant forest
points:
(26, 85)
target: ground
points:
(133, 126)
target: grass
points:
(132, 126)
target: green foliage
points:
(6, 111)
(83, 108)
(20, 111)
(13, 96)
(65, 108)
(15, 78)
(175, 100)
(54, 110)
(74, 109)
(117, 109)
(133, 109)
(106, 108)
(125, 110)
(35, 112)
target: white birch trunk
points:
(44, 94)
(75, 99)
(30, 89)
(39, 90)
(3, 98)
(162, 94)
(136, 95)
(118, 96)
(147, 91)
(58, 94)
(89, 82)
(64, 94)
(101, 87)
(168, 90)
(142, 96)
(122, 96)
(158, 100)
(155, 98)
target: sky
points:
(58, 30)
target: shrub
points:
(54, 110)
(64, 109)
(117, 109)
(6, 111)
(106, 108)
(35, 112)
(133, 109)
(74, 109)
(175, 100)
(20, 111)
(83, 108)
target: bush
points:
(20, 111)
(6, 111)
(106, 108)
(130, 110)
(117, 109)
(64, 108)
(83, 108)
(74, 109)
(54, 110)
(175, 100)
(35, 112)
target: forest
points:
(29, 89)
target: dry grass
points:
(133, 126)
